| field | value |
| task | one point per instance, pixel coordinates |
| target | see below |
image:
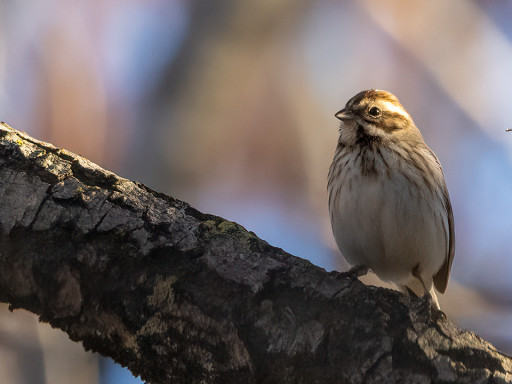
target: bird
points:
(389, 205)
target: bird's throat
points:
(365, 140)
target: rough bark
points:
(179, 296)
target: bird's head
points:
(376, 114)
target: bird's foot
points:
(356, 272)
(427, 299)
(426, 304)
(353, 274)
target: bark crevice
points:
(179, 296)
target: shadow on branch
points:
(179, 296)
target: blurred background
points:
(229, 105)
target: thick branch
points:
(179, 296)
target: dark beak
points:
(343, 115)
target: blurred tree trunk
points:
(179, 296)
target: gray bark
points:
(179, 296)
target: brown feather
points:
(441, 277)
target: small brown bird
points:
(389, 205)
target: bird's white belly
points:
(388, 226)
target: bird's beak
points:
(343, 115)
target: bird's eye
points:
(374, 112)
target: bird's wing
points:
(441, 277)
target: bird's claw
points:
(356, 272)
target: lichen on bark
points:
(179, 296)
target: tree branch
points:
(179, 296)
